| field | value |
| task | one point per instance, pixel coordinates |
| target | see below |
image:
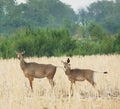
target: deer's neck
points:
(68, 70)
(22, 64)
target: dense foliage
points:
(103, 12)
(55, 42)
(38, 42)
(35, 13)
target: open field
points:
(15, 91)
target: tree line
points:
(35, 13)
(104, 14)
(55, 42)
(100, 16)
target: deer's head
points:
(66, 64)
(20, 55)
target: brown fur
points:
(78, 75)
(34, 70)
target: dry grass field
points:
(15, 91)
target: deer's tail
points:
(105, 72)
(101, 72)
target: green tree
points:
(35, 13)
(96, 31)
(104, 12)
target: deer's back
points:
(80, 74)
(39, 70)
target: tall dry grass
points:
(15, 91)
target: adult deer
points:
(78, 75)
(33, 70)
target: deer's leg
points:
(71, 88)
(94, 85)
(52, 85)
(91, 81)
(51, 82)
(30, 81)
(50, 79)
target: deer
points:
(79, 75)
(33, 70)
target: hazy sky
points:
(76, 4)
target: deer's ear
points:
(68, 60)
